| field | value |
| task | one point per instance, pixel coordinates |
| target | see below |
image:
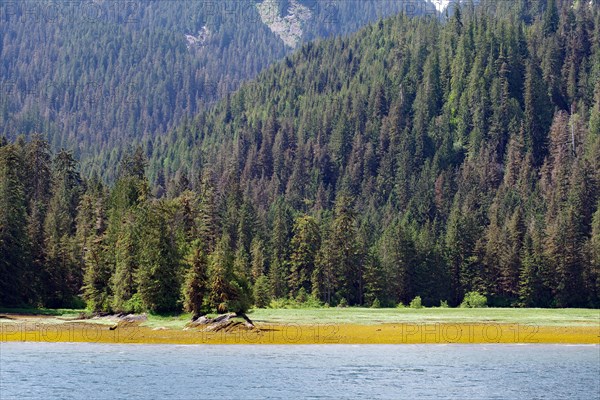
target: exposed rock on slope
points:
(288, 28)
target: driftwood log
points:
(222, 322)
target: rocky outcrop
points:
(289, 27)
(198, 41)
(225, 322)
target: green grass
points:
(367, 316)
(169, 322)
(57, 312)
(370, 316)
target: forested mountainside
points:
(98, 76)
(418, 157)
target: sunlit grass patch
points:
(59, 312)
(167, 321)
(370, 316)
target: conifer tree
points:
(158, 275)
(125, 255)
(63, 274)
(14, 244)
(91, 226)
(226, 294)
(538, 112)
(534, 289)
(304, 249)
(551, 18)
(280, 239)
(259, 259)
(398, 258)
(593, 274)
(126, 201)
(38, 161)
(343, 258)
(195, 286)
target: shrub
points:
(281, 303)
(312, 302)
(443, 304)
(376, 303)
(474, 300)
(343, 302)
(416, 302)
(401, 305)
(309, 302)
(134, 304)
(302, 296)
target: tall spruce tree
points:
(14, 244)
(343, 258)
(304, 249)
(195, 286)
(280, 240)
(63, 273)
(38, 161)
(158, 275)
(91, 228)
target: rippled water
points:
(97, 371)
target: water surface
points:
(99, 371)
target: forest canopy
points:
(418, 157)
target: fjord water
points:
(98, 371)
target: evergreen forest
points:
(429, 156)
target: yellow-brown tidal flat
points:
(32, 330)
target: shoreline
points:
(77, 331)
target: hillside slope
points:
(474, 142)
(100, 76)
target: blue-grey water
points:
(98, 371)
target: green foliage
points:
(376, 303)
(91, 227)
(551, 18)
(416, 302)
(444, 304)
(125, 256)
(280, 243)
(304, 248)
(416, 159)
(106, 82)
(341, 261)
(63, 275)
(195, 285)
(309, 302)
(228, 292)
(134, 304)
(13, 239)
(158, 275)
(398, 256)
(261, 292)
(474, 300)
(444, 159)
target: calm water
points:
(96, 371)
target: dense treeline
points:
(99, 76)
(63, 238)
(417, 158)
(435, 157)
